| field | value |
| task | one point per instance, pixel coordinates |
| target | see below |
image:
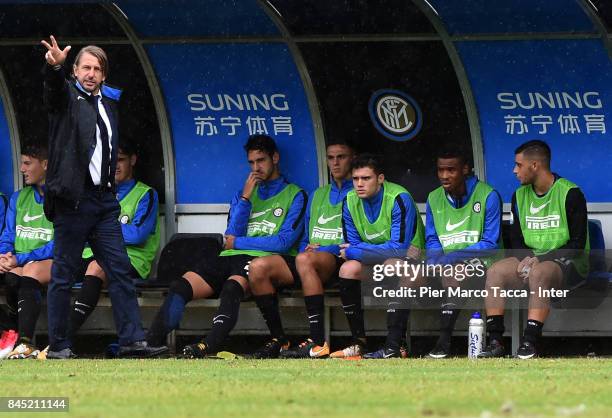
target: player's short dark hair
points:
(263, 143)
(368, 160)
(535, 150)
(128, 148)
(339, 142)
(38, 151)
(454, 151)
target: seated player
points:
(463, 227)
(5, 321)
(550, 225)
(317, 263)
(26, 251)
(380, 221)
(140, 227)
(266, 217)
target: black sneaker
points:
(526, 350)
(494, 349)
(140, 349)
(441, 350)
(307, 349)
(65, 354)
(383, 353)
(198, 350)
(271, 349)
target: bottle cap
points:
(476, 315)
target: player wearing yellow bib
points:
(317, 262)
(550, 224)
(140, 228)
(380, 221)
(26, 250)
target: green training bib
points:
(325, 227)
(32, 229)
(266, 218)
(543, 220)
(379, 231)
(458, 228)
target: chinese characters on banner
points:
(241, 114)
(544, 113)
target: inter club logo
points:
(395, 114)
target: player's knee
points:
(257, 270)
(183, 288)
(94, 269)
(303, 261)
(350, 269)
(497, 274)
(539, 277)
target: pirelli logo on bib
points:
(543, 222)
(25, 232)
(463, 237)
(326, 233)
(265, 227)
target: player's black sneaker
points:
(271, 349)
(198, 350)
(441, 350)
(383, 353)
(526, 350)
(307, 349)
(494, 349)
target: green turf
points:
(325, 388)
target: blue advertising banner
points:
(6, 155)
(555, 90)
(198, 18)
(512, 16)
(219, 94)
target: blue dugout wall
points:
(492, 74)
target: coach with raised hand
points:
(80, 198)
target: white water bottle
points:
(476, 335)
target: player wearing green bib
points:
(380, 221)
(266, 217)
(316, 263)
(26, 251)
(463, 228)
(140, 228)
(550, 226)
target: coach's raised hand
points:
(55, 55)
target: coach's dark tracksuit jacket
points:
(72, 135)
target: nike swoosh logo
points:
(388, 355)
(347, 306)
(80, 98)
(323, 220)
(312, 316)
(82, 304)
(452, 227)
(535, 210)
(368, 236)
(219, 316)
(258, 214)
(28, 218)
(315, 353)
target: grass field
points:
(326, 388)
